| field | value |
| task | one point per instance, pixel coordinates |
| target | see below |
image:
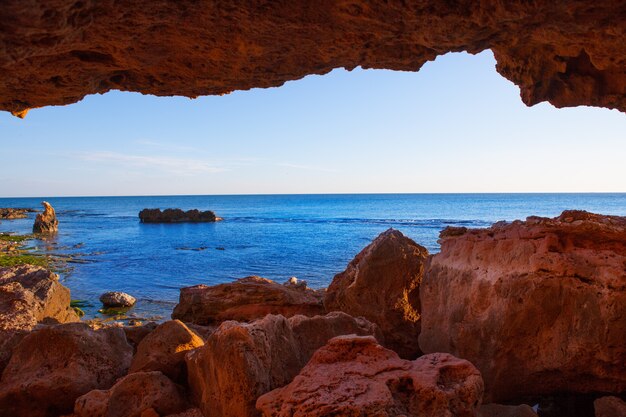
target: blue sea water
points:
(312, 237)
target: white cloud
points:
(176, 166)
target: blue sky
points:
(455, 126)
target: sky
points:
(454, 126)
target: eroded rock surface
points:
(355, 376)
(177, 216)
(538, 306)
(30, 295)
(609, 407)
(14, 213)
(382, 284)
(114, 299)
(246, 299)
(239, 362)
(46, 222)
(164, 350)
(55, 52)
(139, 394)
(51, 367)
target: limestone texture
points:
(355, 376)
(46, 222)
(55, 52)
(539, 306)
(245, 299)
(51, 367)
(139, 394)
(114, 299)
(164, 350)
(382, 284)
(242, 361)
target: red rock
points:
(355, 376)
(239, 362)
(135, 334)
(246, 299)
(46, 222)
(14, 213)
(55, 52)
(54, 365)
(538, 306)
(498, 410)
(140, 394)
(164, 350)
(30, 295)
(609, 407)
(382, 284)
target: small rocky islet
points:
(501, 319)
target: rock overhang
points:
(56, 52)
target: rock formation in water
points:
(382, 284)
(51, 367)
(538, 306)
(177, 216)
(246, 299)
(46, 222)
(240, 362)
(55, 52)
(114, 299)
(14, 213)
(355, 376)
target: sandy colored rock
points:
(382, 284)
(55, 52)
(140, 394)
(609, 407)
(245, 299)
(538, 306)
(30, 295)
(114, 299)
(54, 365)
(46, 222)
(355, 376)
(498, 410)
(242, 361)
(14, 213)
(164, 350)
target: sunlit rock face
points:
(538, 306)
(58, 51)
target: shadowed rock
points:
(177, 216)
(382, 284)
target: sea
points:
(311, 237)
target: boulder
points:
(51, 367)
(135, 334)
(177, 216)
(355, 376)
(609, 407)
(113, 299)
(164, 350)
(539, 306)
(30, 295)
(382, 284)
(138, 394)
(498, 410)
(46, 222)
(242, 361)
(245, 299)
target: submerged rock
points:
(54, 365)
(46, 222)
(14, 213)
(355, 376)
(382, 284)
(538, 306)
(137, 394)
(113, 299)
(177, 216)
(240, 362)
(164, 350)
(246, 299)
